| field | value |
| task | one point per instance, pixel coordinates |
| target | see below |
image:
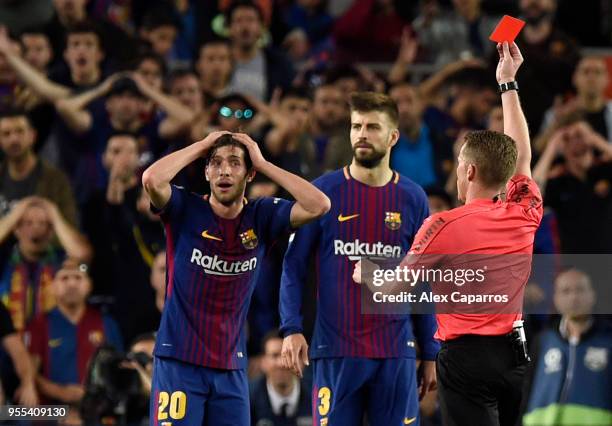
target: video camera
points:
(113, 393)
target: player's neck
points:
(226, 211)
(376, 176)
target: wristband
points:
(511, 85)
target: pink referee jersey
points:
(485, 227)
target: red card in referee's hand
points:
(507, 29)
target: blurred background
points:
(94, 91)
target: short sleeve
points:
(274, 216)
(175, 207)
(6, 323)
(524, 191)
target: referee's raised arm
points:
(515, 124)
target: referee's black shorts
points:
(479, 381)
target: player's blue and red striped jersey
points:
(64, 348)
(363, 221)
(212, 268)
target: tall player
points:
(362, 362)
(214, 247)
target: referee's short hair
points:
(372, 101)
(494, 155)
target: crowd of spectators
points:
(94, 91)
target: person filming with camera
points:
(63, 340)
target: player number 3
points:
(324, 396)
(177, 402)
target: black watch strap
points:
(511, 85)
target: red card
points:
(507, 29)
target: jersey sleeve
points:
(274, 216)
(524, 191)
(425, 327)
(175, 207)
(112, 334)
(295, 273)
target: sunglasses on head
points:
(240, 114)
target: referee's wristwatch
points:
(511, 85)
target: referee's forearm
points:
(515, 126)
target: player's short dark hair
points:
(17, 113)
(270, 335)
(494, 155)
(228, 140)
(372, 101)
(236, 4)
(86, 27)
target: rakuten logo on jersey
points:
(356, 249)
(215, 266)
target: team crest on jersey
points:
(96, 337)
(596, 359)
(393, 220)
(249, 239)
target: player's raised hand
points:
(294, 355)
(510, 60)
(257, 157)
(208, 141)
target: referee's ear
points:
(471, 172)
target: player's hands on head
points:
(254, 152)
(209, 140)
(294, 354)
(510, 60)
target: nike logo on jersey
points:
(345, 218)
(54, 343)
(408, 421)
(206, 235)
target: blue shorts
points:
(346, 389)
(184, 394)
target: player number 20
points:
(177, 402)
(324, 397)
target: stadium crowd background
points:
(91, 92)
